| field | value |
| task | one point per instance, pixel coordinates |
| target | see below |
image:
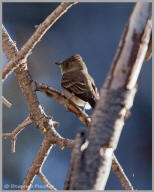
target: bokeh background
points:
(93, 30)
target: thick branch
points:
(116, 99)
(26, 50)
(16, 131)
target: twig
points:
(16, 131)
(44, 179)
(26, 50)
(117, 169)
(92, 169)
(6, 102)
(70, 106)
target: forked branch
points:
(44, 179)
(15, 133)
(117, 169)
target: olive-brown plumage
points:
(76, 82)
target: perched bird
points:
(77, 84)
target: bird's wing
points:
(81, 85)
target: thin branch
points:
(26, 50)
(16, 131)
(38, 162)
(44, 179)
(6, 102)
(92, 169)
(117, 169)
(70, 106)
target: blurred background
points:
(92, 30)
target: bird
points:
(77, 84)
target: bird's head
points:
(71, 64)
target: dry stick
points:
(117, 169)
(70, 106)
(44, 179)
(16, 131)
(91, 168)
(26, 50)
(86, 121)
(41, 120)
(6, 102)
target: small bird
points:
(77, 85)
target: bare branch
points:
(44, 179)
(116, 99)
(47, 144)
(6, 102)
(16, 131)
(70, 106)
(36, 165)
(26, 50)
(117, 169)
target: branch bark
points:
(117, 169)
(92, 166)
(61, 99)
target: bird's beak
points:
(57, 63)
